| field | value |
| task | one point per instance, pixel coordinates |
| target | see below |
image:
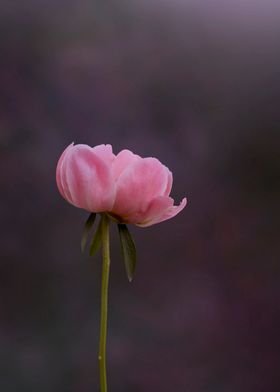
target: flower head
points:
(129, 188)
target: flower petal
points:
(105, 152)
(123, 160)
(59, 181)
(138, 184)
(167, 213)
(169, 183)
(155, 209)
(89, 179)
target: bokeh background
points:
(196, 84)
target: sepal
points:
(128, 250)
(96, 240)
(87, 227)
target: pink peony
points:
(129, 188)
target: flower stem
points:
(104, 302)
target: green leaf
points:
(97, 240)
(88, 225)
(128, 250)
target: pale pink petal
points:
(59, 172)
(168, 213)
(138, 184)
(169, 183)
(105, 152)
(155, 209)
(89, 180)
(122, 161)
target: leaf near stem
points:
(96, 240)
(87, 227)
(128, 250)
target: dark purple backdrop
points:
(196, 84)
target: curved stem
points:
(104, 302)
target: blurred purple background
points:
(196, 84)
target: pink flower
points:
(129, 188)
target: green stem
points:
(104, 302)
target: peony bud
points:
(129, 188)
